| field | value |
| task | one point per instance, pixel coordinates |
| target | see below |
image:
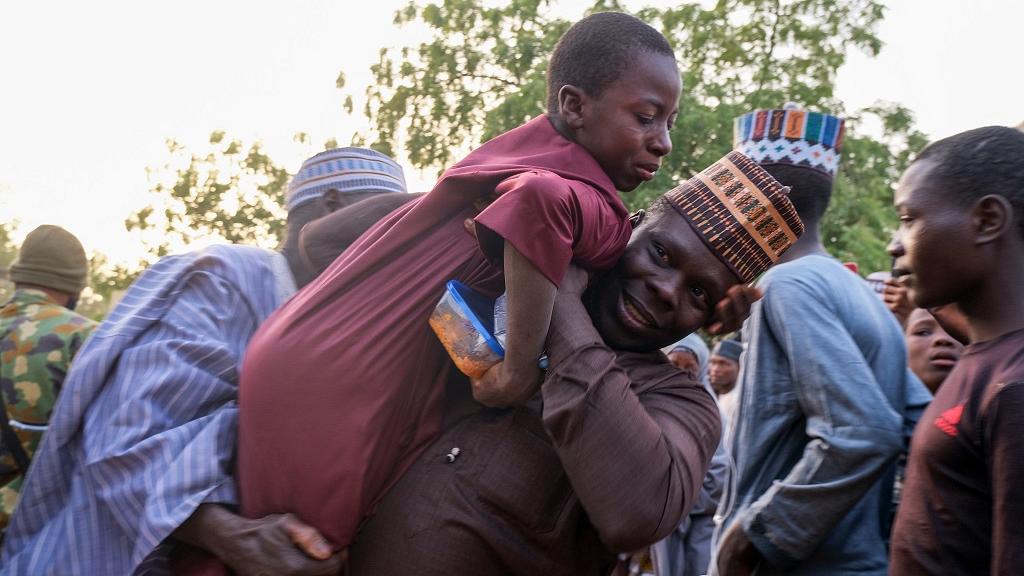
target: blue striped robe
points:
(145, 428)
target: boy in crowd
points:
(961, 240)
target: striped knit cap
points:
(741, 212)
(345, 170)
(791, 135)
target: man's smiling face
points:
(664, 287)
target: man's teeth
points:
(634, 314)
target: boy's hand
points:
(499, 389)
(731, 311)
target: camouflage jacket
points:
(38, 338)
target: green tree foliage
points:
(232, 192)
(8, 253)
(860, 219)
(483, 72)
(480, 74)
(107, 282)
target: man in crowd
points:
(820, 413)
(723, 371)
(39, 336)
(690, 355)
(611, 453)
(961, 241)
(140, 451)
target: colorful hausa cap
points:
(345, 170)
(741, 212)
(791, 136)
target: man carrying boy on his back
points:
(329, 417)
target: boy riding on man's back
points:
(330, 416)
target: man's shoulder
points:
(65, 321)
(45, 319)
(653, 370)
(812, 265)
(230, 261)
(236, 256)
(221, 275)
(1003, 357)
(823, 276)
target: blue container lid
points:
(480, 311)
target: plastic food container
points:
(464, 322)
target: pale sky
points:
(89, 91)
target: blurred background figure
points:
(876, 280)
(724, 371)
(39, 335)
(690, 355)
(931, 351)
(687, 550)
(894, 294)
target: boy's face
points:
(627, 127)
(931, 352)
(665, 286)
(934, 245)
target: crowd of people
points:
(246, 411)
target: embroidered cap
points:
(791, 135)
(741, 212)
(345, 170)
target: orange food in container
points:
(464, 322)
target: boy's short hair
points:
(810, 190)
(596, 51)
(978, 162)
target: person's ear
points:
(571, 103)
(991, 216)
(637, 217)
(332, 200)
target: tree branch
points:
(767, 58)
(505, 81)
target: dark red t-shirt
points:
(963, 502)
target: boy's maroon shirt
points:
(962, 510)
(342, 387)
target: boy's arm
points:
(530, 299)
(538, 225)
